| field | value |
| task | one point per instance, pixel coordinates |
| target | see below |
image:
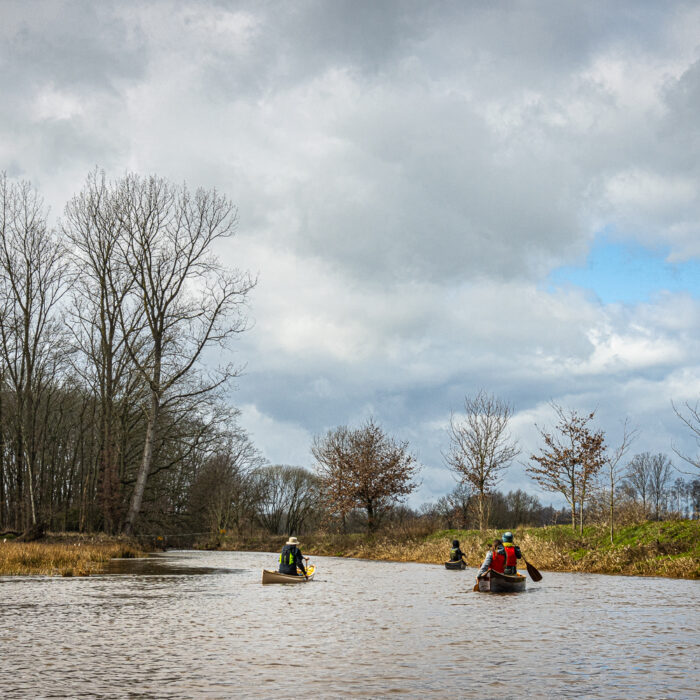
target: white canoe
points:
(277, 577)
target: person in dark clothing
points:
(456, 554)
(292, 559)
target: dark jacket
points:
(291, 559)
(456, 554)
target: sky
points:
(437, 197)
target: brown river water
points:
(200, 625)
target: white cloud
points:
(406, 178)
(282, 442)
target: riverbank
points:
(64, 554)
(669, 548)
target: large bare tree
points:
(93, 228)
(33, 279)
(481, 447)
(182, 299)
(363, 468)
(570, 459)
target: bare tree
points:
(93, 228)
(33, 279)
(289, 497)
(481, 447)
(659, 480)
(679, 492)
(363, 468)
(523, 508)
(462, 500)
(187, 300)
(638, 477)
(694, 497)
(570, 459)
(224, 492)
(613, 472)
(691, 419)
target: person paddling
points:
(292, 559)
(512, 552)
(456, 554)
(495, 559)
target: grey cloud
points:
(81, 44)
(419, 168)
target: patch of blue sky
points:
(628, 273)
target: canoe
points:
(455, 565)
(277, 577)
(493, 582)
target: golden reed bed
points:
(633, 560)
(59, 559)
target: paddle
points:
(534, 574)
(476, 587)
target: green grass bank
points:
(667, 548)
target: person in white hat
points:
(292, 559)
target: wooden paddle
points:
(534, 574)
(476, 587)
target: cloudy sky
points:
(437, 197)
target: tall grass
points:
(650, 549)
(59, 559)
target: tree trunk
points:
(370, 516)
(580, 518)
(137, 497)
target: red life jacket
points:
(498, 561)
(511, 559)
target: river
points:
(200, 625)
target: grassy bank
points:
(63, 555)
(669, 549)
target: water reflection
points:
(200, 624)
(185, 564)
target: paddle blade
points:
(476, 587)
(534, 574)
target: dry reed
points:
(548, 549)
(59, 559)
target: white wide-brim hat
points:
(292, 540)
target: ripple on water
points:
(199, 624)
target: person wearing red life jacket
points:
(495, 559)
(512, 554)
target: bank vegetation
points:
(64, 555)
(667, 548)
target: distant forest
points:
(111, 419)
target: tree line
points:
(107, 408)
(367, 470)
(114, 416)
